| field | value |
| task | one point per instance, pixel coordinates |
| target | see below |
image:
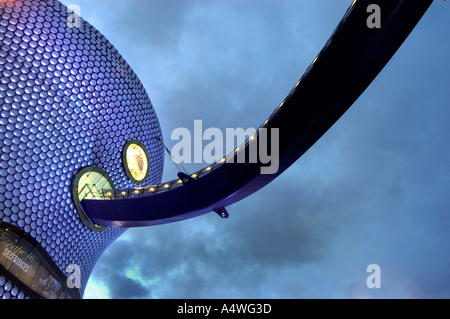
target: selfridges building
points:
(72, 111)
(82, 152)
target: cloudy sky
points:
(373, 190)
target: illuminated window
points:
(88, 184)
(136, 161)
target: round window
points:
(136, 161)
(90, 183)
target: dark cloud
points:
(374, 189)
(127, 288)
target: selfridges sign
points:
(27, 265)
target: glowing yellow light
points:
(179, 181)
(91, 183)
(166, 186)
(137, 162)
(124, 193)
(252, 138)
(222, 160)
(267, 121)
(354, 1)
(194, 175)
(152, 189)
(136, 191)
(237, 149)
(315, 60)
(208, 168)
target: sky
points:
(373, 190)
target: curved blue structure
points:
(68, 100)
(348, 63)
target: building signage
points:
(26, 264)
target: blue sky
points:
(374, 189)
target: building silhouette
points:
(69, 101)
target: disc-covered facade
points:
(69, 102)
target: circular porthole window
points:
(89, 184)
(136, 161)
